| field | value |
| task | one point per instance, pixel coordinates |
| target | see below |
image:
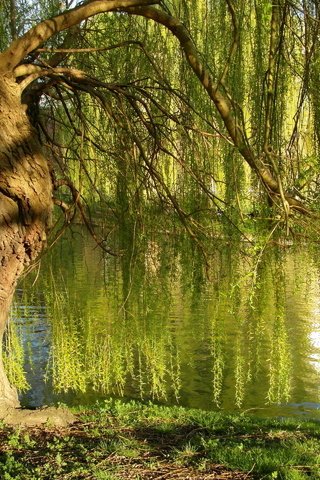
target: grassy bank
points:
(136, 441)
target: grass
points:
(131, 440)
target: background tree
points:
(210, 107)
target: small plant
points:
(116, 438)
(187, 454)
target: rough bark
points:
(25, 203)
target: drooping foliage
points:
(137, 131)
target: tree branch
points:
(223, 103)
(42, 32)
(74, 73)
(90, 50)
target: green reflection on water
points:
(155, 323)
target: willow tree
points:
(43, 72)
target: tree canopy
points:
(210, 107)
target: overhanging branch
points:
(222, 101)
(42, 32)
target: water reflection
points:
(153, 324)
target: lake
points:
(237, 329)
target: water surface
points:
(158, 323)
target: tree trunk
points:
(25, 204)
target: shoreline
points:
(132, 440)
